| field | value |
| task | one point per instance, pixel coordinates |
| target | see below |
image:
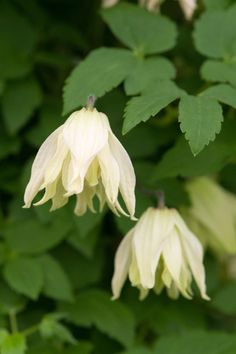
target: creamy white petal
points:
(127, 175)
(86, 133)
(84, 200)
(42, 159)
(122, 263)
(59, 199)
(50, 191)
(110, 174)
(188, 7)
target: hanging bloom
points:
(214, 211)
(160, 251)
(84, 158)
(109, 3)
(188, 8)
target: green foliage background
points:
(178, 77)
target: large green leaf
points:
(215, 70)
(222, 93)
(216, 4)
(146, 72)
(19, 101)
(25, 276)
(101, 71)
(200, 119)
(142, 31)
(14, 344)
(215, 33)
(155, 98)
(56, 282)
(197, 343)
(94, 307)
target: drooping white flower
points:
(83, 158)
(188, 7)
(109, 3)
(160, 251)
(214, 211)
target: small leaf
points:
(146, 72)
(220, 44)
(215, 70)
(94, 307)
(25, 276)
(142, 31)
(200, 119)
(101, 71)
(56, 282)
(50, 327)
(153, 100)
(19, 100)
(14, 344)
(223, 93)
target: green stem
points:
(31, 330)
(13, 321)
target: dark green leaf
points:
(142, 31)
(200, 119)
(224, 299)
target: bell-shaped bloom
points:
(83, 158)
(160, 251)
(214, 211)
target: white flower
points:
(160, 251)
(215, 212)
(188, 8)
(83, 157)
(109, 3)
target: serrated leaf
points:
(25, 276)
(140, 109)
(19, 100)
(14, 344)
(214, 70)
(142, 31)
(197, 342)
(220, 44)
(101, 71)
(94, 307)
(56, 282)
(179, 161)
(223, 93)
(200, 119)
(17, 44)
(146, 72)
(224, 299)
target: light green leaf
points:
(85, 245)
(14, 344)
(155, 98)
(216, 4)
(50, 327)
(215, 70)
(3, 335)
(19, 100)
(25, 276)
(94, 307)
(196, 343)
(101, 71)
(142, 31)
(224, 299)
(146, 72)
(16, 45)
(32, 237)
(179, 161)
(200, 119)
(56, 282)
(223, 93)
(220, 44)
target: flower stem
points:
(90, 102)
(160, 199)
(13, 321)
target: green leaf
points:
(50, 327)
(81, 348)
(25, 276)
(146, 72)
(200, 119)
(31, 237)
(140, 109)
(138, 350)
(223, 93)
(100, 72)
(214, 70)
(224, 299)
(85, 245)
(3, 335)
(9, 145)
(179, 161)
(19, 100)
(216, 4)
(14, 344)
(9, 300)
(94, 307)
(196, 343)
(56, 282)
(142, 31)
(220, 44)
(16, 45)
